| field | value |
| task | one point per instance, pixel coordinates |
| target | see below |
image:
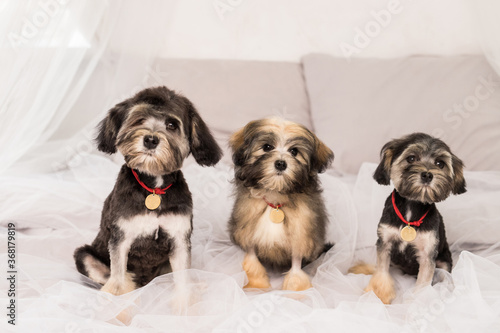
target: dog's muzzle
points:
(151, 141)
(426, 177)
(280, 165)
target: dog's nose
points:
(151, 141)
(280, 165)
(426, 177)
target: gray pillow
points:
(230, 93)
(359, 105)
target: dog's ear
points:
(109, 127)
(204, 148)
(458, 178)
(322, 156)
(236, 143)
(240, 140)
(383, 172)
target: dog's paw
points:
(383, 286)
(256, 273)
(181, 301)
(362, 268)
(117, 288)
(125, 316)
(258, 282)
(297, 281)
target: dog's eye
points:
(293, 151)
(411, 159)
(137, 122)
(267, 148)
(439, 164)
(171, 126)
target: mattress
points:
(53, 213)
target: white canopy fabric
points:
(485, 17)
(53, 184)
(55, 213)
(48, 64)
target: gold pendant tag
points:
(152, 201)
(408, 233)
(276, 215)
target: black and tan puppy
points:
(146, 220)
(411, 231)
(279, 217)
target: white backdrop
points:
(288, 29)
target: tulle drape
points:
(63, 64)
(61, 211)
(46, 59)
(485, 17)
(62, 67)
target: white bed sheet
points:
(55, 213)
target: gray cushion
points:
(359, 105)
(229, 93)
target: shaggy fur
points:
(424, 171)
(278, 161)
(155, 131)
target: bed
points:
(354, 107)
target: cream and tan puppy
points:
(279, 218)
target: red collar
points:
(398, 213)
(152, 190)
(271, 205)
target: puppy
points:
(411, 231)
(279, 217)
(146, 221)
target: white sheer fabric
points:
(60, 211)
(45, 63)
(52, 97)
(48, 63)
(485, 15)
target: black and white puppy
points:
(155, 130)
(411, 231)
(279, 217)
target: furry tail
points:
(88, 263)
(362, 268)
(327, 247)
